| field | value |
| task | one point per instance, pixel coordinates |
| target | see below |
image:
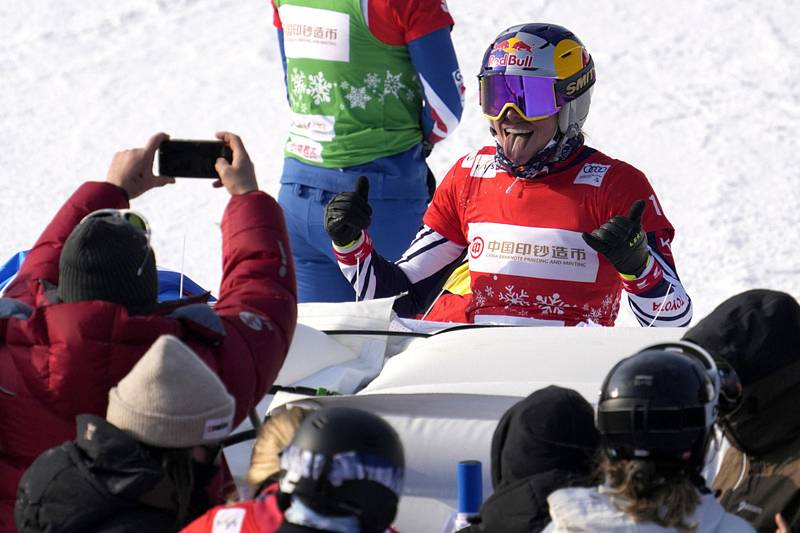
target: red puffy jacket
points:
(63, 358)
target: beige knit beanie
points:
(171, 399)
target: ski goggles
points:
(128, 216)
(726, 382)
(532, 98)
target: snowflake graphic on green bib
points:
(353, 99)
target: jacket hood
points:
(552, 429)
(758, 333)
(594, 509)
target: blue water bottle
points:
(470, 492)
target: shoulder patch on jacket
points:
(254, 321)
(11, 308)
(228, 520)
(592, 174)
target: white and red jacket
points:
(528, 262)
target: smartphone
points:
(191, 159)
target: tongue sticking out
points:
(521, 139)
(517, 147)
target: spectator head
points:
(108, 257)
(275, 435)
(552, 429)
(757, 333)
(174, 405)
(171, 399)
(655, 416)
(344, 464)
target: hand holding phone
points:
(192, 159)
(132, 169)
(239, 176)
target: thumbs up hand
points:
(348, 213)
(622, 241)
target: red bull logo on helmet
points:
(502, 45)
(511, 52)
(521, 46)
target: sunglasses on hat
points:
(129, 216)
(134, 218)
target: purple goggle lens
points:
(533, 98)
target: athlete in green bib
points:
(369, 84)
(357, 99)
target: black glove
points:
(348, 213)
(622, 241)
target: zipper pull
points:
(516, 179)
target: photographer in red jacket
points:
(83, 308)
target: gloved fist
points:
(348, 213)
(622, 241)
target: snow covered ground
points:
(700, 95)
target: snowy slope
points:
(700, 95)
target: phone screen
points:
(191, 159)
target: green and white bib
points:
(353, 99)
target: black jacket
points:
(545, 442)
(96, 483)
(757, 333)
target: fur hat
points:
(108, 259)
(171, 399)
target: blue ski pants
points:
(394, 224)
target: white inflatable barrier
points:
(341, 363)
(445, 393)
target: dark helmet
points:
(345, 461)
(659, 405)
(542, 53)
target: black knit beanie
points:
(108, 259)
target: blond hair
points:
(276, 433)
(651, 496)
